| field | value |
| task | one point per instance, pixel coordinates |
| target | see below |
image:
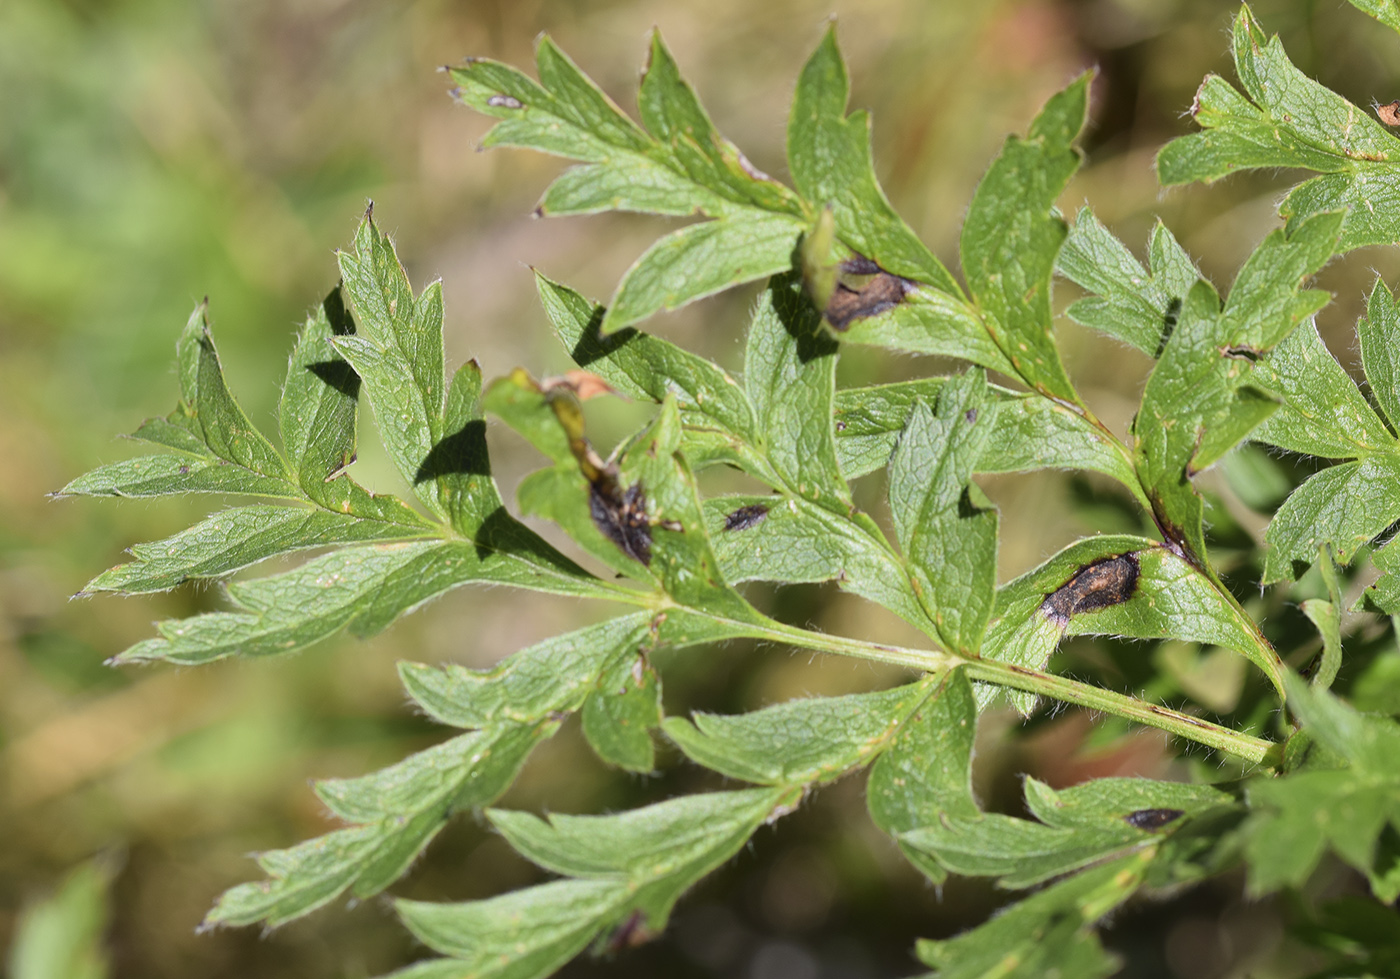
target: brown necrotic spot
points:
(1152, 819)
(1389, 113)
(853, 300)
(621, 516)
(746, 517)
(1098, 584)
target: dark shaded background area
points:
(153, 152)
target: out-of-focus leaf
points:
(1385, 11)
(1050, 933)
(1326, 615)
(60, 937)
(1349, 810)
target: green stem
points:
(1255, 750)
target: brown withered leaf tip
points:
(1150, 819)
(1389, 113)
(1098, 584)
(584, 385)
(746, 517)
(621, 516)
(882, 293)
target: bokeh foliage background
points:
(156, 151)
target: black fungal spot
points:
(1151, 819)
(505, 102)
(746, 517)
(1169, 317)
(970, 415)
(880, 294)
(1242, 352)
(1098, 584)
(621, 516)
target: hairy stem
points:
(1251, 749)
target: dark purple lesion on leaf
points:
(1107, 581)
(746, 517)
(621, 514)
(863, 289)
(629, 933)
(1153, 819)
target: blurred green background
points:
(153, 152)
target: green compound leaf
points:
(927, 772)
(1344, 506)
(804, 741)
(680, 168)
(396, 812)
(239, 537)
(1202, 397)
(945, 525)
(1029, 432)
(645, 366)
(1013, 234)
(1126, 301)
(621, 712)
(1289, 120)
(397, 352)
(790, 376)
(221, 450)
(1118, 586)
(829, 156)
(1099, 820)
(363, 588)
(1322, 412)
(625, 873)
(701, 260)
(926, 321)
(1353, 811)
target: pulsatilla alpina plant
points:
(840, 268)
